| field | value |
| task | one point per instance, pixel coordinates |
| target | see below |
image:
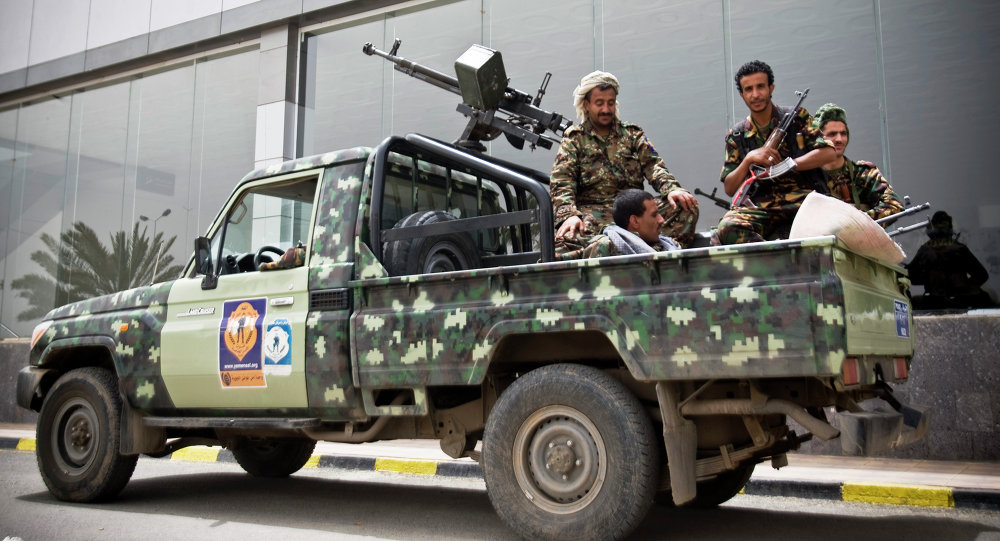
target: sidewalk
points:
(926, 483)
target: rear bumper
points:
(870, 433)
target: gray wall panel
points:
(58, 29)
(166, 13)
(15, 35)
(117, 20)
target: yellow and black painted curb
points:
(346, 462)
(888, 494)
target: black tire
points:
(438, 253)
(722, 488)
(78, 438)
(273, 457)
(713, 492)
(599, 484)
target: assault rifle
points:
(491, 106)
(742, 197)
(719, 202)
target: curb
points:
(885, 494)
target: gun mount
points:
(491, 106)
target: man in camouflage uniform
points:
(636, 229)
(601, 157)
(859, 183)
(774, 201)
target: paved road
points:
(217, 501)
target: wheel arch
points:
(64, 355)
(594, 340)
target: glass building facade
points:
(915, 77)
(161, 151)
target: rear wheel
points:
(78, 438)
(713, 492)
(569, 453)
(723, 487)
(273, 457)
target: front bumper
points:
(29, 387)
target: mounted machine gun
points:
(491, 106)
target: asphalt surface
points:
(924, 483)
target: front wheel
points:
(569, 453)
(273, 457)
(78, 437)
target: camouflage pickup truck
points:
(425, 302)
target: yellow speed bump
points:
(26, 444)
(916, 495)
(196, 454)
(422, 467)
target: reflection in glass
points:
(77, 172)
(79, 266)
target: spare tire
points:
(437, 253)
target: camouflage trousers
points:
(743, 224)
(678, 224)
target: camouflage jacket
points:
(789, 189)
(590, 170)
(861, 184)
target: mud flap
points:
(680, 438)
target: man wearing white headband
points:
(601, 157)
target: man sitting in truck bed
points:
(599, 158)
(636, 229)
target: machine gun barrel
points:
(907, 229)
(906, 212)
(425, 74)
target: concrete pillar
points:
(276, 106)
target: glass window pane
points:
(8, 129)
(277, 216)
(351, 99)
(224, 129)
(36, 212)
(158, 154)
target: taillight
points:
(899, 365)
(849, 371)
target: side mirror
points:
(203, 262)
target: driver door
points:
(241, 343)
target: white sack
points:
(822, 215)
